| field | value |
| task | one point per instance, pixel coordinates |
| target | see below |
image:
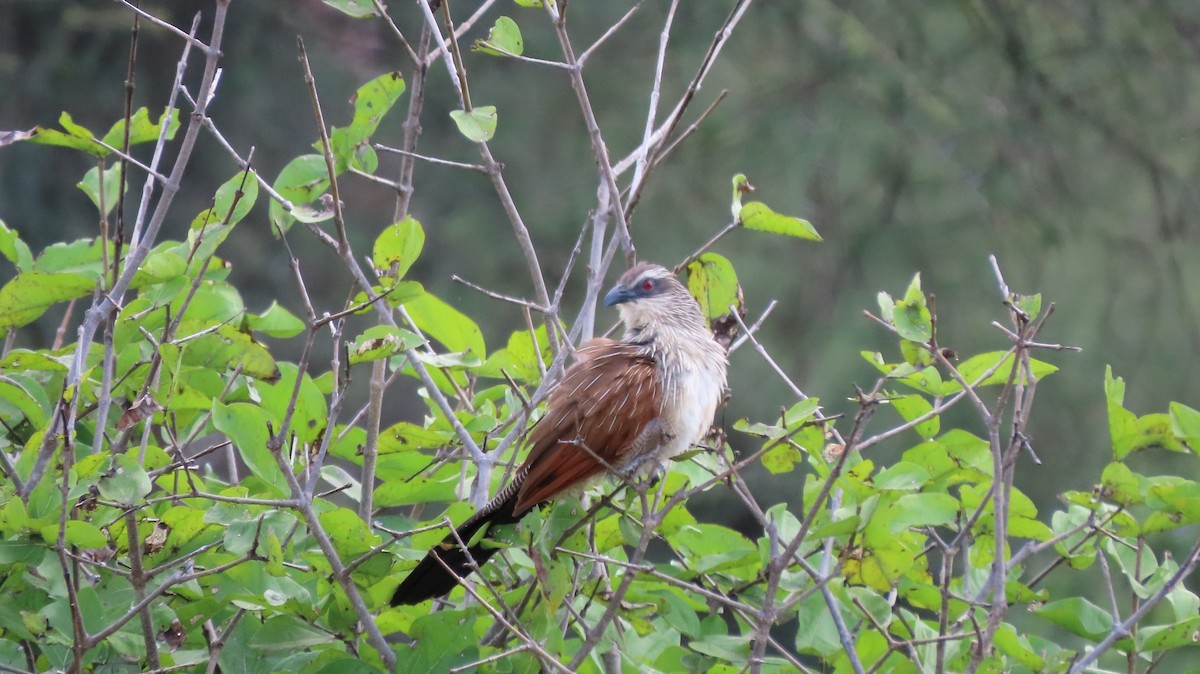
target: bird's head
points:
(649, 295)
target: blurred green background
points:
(1063, 136)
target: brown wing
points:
(603, 403)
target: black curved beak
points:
(618, 295)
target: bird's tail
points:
(446, 562)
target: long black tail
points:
(433, 578)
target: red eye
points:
(648, 285)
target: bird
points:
(624, 406)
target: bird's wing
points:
(605, 401)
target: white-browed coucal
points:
(623, 405)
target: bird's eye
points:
(648, 285)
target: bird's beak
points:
(618, 295)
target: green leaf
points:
(799, 414)
(359, 9)
(227, 348)
(443, 487)
(188, 527)
(741, 185)
(238, 537)
(934, 509)
(213, 303)
(1183, 601)
(713, 282)
(1018, 648)
(887, 306)
(1175, 496)
(31, 293)
(503, 39)
(82, 256)
(1078, 616)
(301, 181)
(902, 476)
(1185, 423)
(781, 459)
(234, 199)
(406, 437)
(125, 481)
(1164, 637)
(141, 129)
(678, 613)
(396, 248)
(914, 353)
(309, 412)
(759, 429)
(924, 379)
(14, 392)
(21, 551)
(444, 640)
(350, 535)
(276, 322)
(836, 528)
(284, 632)
(911, 316)
(382, 341)
(478, 125)
(710, 547)
(111, 190)
(447, 325)
(734, 649)
(1031, 305)
(24, 359)
(346, 665)
(871, 603)
(973, 369)
(246, 426)
(1150, 430)
(160, 266)
(519, 358)
(13, 248)
(758, 216)
(372, 101)
(1120, 485)
(913, 407)
(79, 533)
(820, 633)
(1025, 527)
(1122, 424)
(274, 548)
(76, 137)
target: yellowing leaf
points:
(30, 294)
(397, 247)
(503, 39)
(757, 215)
(713, 282)
(478, 125)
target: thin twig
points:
(140, 242)
(499, 296)
(478, 168)
(189, 38)
(1122, 629)
(587, 53)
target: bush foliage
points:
(177, 497)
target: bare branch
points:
(432, 160)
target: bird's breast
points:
(690, 400)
